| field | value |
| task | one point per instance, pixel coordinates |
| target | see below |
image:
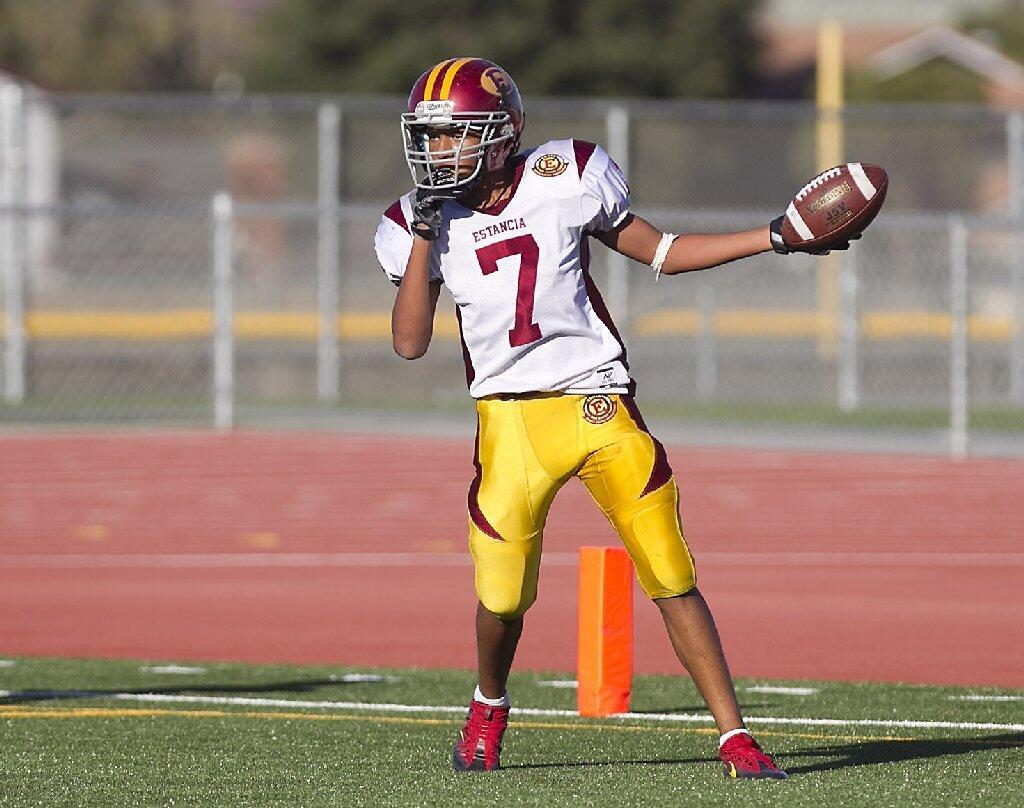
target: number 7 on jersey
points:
(524, 330)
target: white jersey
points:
(530, 315)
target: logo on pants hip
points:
(598, 409)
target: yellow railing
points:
(171, 324)
(874, 325)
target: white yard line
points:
(556, 559)
(982, 697)
(7, 663)
(364, 678)
(781, 691)
(568, 684)
(689, 718)
(178, 670)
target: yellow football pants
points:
(527, 448)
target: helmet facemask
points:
(438, 170)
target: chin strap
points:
(661, 253)
(469, 188)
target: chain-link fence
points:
(181, 260)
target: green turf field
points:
(80, 743)
(169, 411)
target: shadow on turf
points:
(869, 753)
(864, 753)
(696, 708)
(297, 686)
(588, 763)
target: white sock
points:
(480, 697)
(732, 734)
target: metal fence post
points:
(13, 161)
(958, 386)
(707, 353)
(1015, 185)
(849, 332)
(328, 282)
(223, 313)
(1017, 324)
(617, 125)
(1015, 161)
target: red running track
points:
(184, 546)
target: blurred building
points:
(870, 27)
(246, 6)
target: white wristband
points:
(661, 253)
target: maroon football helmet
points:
(465, 96)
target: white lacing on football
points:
(818, 181)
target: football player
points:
(509, 233)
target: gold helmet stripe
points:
(434, 73)
(449, 77)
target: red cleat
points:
(743, 759)
(478, 747)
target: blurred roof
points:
(904, 13)
(944, 43)
(247, 6)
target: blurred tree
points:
(937, 80)
(661, 48)
(118, 44)
(1002, 27)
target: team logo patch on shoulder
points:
(550, 165)
(599, 409)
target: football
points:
(835, 206)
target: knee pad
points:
(506, 605)
(662, 559)
(506, 573)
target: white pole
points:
(617, 125)
(849, 332)
(11, 131)
(329, 163)
(707, 357)
(958, 390)
(1015, 183)
(1015, 161)
(1017, 324)
(223, 313)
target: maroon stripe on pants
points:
(475, 513)
(661, 473)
